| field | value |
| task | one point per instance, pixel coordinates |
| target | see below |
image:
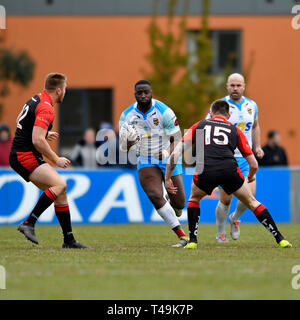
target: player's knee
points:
(225, 202)
(156, 199)
(64, 187)
(224, 198)
(61, 188)
(252, 203)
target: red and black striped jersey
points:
(219, 139)
(38, 111)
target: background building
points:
(102, 47)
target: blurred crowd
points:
(100, 149)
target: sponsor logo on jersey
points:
(243, 126)
(249, 111)
(176, 122)
(43, 119)
(155, 121)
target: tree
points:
(180, 79)
(16, 67)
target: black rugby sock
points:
(265, 218)
(46, 199)
(63, 215)
(193, 211)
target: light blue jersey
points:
(154, 128)
(243, 116)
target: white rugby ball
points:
(129, 132)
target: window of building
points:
(82, 109)
(226, 46)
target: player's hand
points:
(63, 162)
(259, 152)
(52, 136)
(170, 186)
(251, 179)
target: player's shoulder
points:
(129, 109)
(33, 101)
(250, 101)
(44, 107)
(160, 106)
(44, 98)
(35, 98)
(200, 124)
(43, 101)
(226, 98)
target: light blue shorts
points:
(145, 162)
(244, 166)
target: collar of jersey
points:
(238, 105)
(218, 118)
(47, 96)
(142, 113)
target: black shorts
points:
(230, 179)
(24, 163)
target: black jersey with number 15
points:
(220, 139)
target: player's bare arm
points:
(256, 140)
(253, 166)
(40, 143)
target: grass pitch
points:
(137, 262)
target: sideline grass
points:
(137, 262)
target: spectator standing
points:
(274, 154)
(84, 153)
(108, 154)
(5, 144)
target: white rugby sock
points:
(168, 214)
(240, 209)
(221, 216)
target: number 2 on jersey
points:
(22, 115)
(217, 133)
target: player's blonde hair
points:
(54, 80)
